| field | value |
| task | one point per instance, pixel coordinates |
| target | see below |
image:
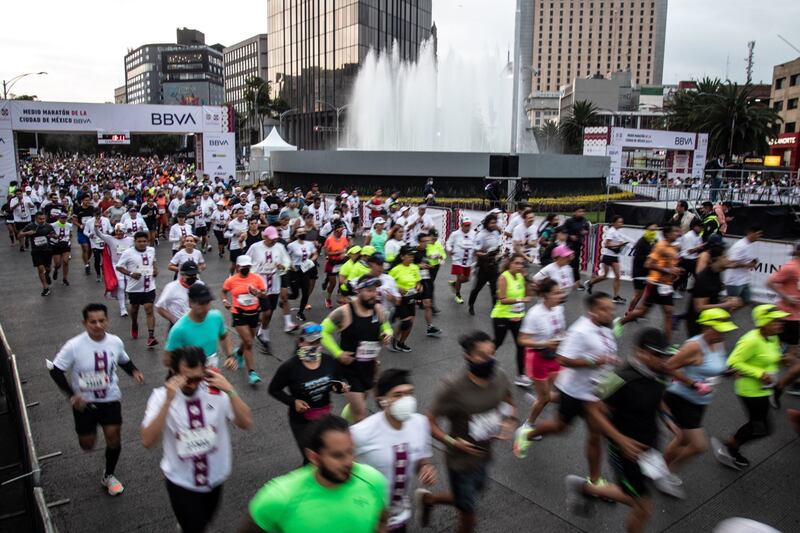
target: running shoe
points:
(394, 347)
(471, 310)
(290, 327)
(423, 508)
(576, 499)
(587, 286)
(151, 341)
(328, 303)
(523, 381)
(112, 485)
(436, 310)
(722, 454)
(253, 378)
(239, 358)
(123, 313)
(346, 414)
(521, 441)
(459, 299)
(619, 300)
(617, 326)
(738, 459)
(46, 291)
(452, 284)
(793, 390)
(301, 316)
(601, 482)
(87, 270)
(404, 347)
(775, 399)
(580, 288)
(677, 296)
(98, 279)
(265, 345)
(433, 331)
(671, 485)
(134, 331)
(65, 283)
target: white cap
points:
(466, 220)
(379, 220)
(244, 260)
(220, 203)
(404, 208)
(119, 227)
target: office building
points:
(315, 49)
(785, 95)
(542, 107)
(187, 72)
(583, 38)
(244, 60)
(119, 95)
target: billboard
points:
(670, 140)
(186, 92)
(8, 162)
(219, 154)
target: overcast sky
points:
(82, 43)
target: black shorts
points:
(97, 413)
(639, 284)
(269, 302)
(142, 298)
(359, 374)
(407, 308)
(285, 281)
(20, 225)
(220, 235)
(686, 414)
(246, 318)
(201, 231)
(234, 254)
(791, 332)
(312, 273)
(653, 297)
(61, 248)
(466, 487)
(629, 476)
(569, 407)
(609, 259)
(41, 258)
(427, 289)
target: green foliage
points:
(548, 138)
(583, 114)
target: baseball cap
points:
(189, 267)
(764, 314)
(270, 232)
(133, 210)
(367, 250)
(244, 260)
(220, 203)
(562, 251)
(466, 220)
(310, 332)
(367, 282)
(718, 318)
(653, 340)
(200, 293)
(354, 250)
(379, 220)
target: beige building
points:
(119, 95)
(581, 38)
(786, 94)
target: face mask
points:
(482, 370)
(650, 235)
(301, 237)
(309, 354)
(244, 270)
(403, 408)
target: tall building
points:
(786, 94)
(582, 38)
(244, 60)
(315, 48)
(188, 72)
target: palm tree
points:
(548, 137)
(257, 95)
(583, 114)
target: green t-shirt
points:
(357, 270)
(344, 271)
(297, 503)
(205, 334)
(406, 276)
(753, 356)
(436, 253)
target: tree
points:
(28, 97)
(726, 111)
(583, 114)
(548, 137)
(257, 96)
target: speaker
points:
(503, 166)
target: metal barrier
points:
(29, 471)
(747, 195)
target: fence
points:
(25, 472)
(745, 195)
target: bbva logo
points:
(217, 142)
(171, 119)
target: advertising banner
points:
(186, 93)
(700, 155)
(8, 162)
(615, 169)
(219, 155)
(670, 140)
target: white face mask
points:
(403, 408)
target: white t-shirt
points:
(22, 208)
(92, 366)
(95, 239)
(561, 275)
(63, 233)
(265, 262)
(388, 286)
(178, 232)
(301, 251)
(742, 251)
(175, 298)
(117, 246)
(392, 248)
(219, 219)
(690, 240)
(542, 323)
(527, 235)
(615, 236)
(235, 228)
(133, 224)
(181, 256)
(142, 262)
(197, 454)
(584, 340)
(395, 454)
(461, 247)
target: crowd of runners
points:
(373, 264)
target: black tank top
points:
(360, 329)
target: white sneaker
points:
(523, 381)
(671, 485)
(290, 327)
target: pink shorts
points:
(539, 368)
(458, 270)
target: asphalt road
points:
(523, 495)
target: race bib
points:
(200, 223)
(518, 307)
(146, 271)
(368, 350)
(425, 273)
(162, 211)
(246, 300)
(195, 442)
(664, 290)
(93, 381)
(40, 241)
(306, 265)
(336, 269)
(121, 248)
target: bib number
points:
(146, 271)
(93, 381)
(40, 241)
(195, 442)
(664, 290)
(306, 265)
(425, 273)
(368, 350)
(518, 307)
(336, 269)
(246, 300)
(162, 211)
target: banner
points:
(8, 162)
(615, 169)
(670, 140)
(700, 155)
(219, 155)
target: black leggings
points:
(194, 510)
(486, 274)
(300, 283)
(503, 326)
(758, 424)
(98, 259)
(298, 432)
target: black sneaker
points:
(739, 460)
(47, 277)
(55, 273)
(471, 310)
(618, 300)
(436, 310)
(301, 316)
(394, 347)
(433, 331)
(46, 292)
(87, 270)
(404, 347)
(66, 283)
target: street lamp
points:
(280, 118)
(8, 84)
(255, 110)
(338, 113)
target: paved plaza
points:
(525, 495)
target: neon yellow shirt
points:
(436, 253)
(406, 276)
(515, 288)
(752, 357)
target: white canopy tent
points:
(259, 154)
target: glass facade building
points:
(316, 46)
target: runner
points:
(577, 229)
(377, 236)
(690, 244)
(706, 293)
(219, 222)
(427, 272)
(363, 326)
(133, 221)
(487, 251)
(173, 302)
(333, 493)
(85, 368)
(408, 279)
(395, 241)
(508, 310)
(744, 258)
(524, 237)
(190, 415)
(303, 276)
(81, 214)
(149, 212)
(22, 209)
(633, 395)
(270, 259)
(62, 247)
(560, 270)
(614, 241)
(138, 265)
(755, 358)
(479, 407)
(397, 442)
(178, 232)
(696, 371)
(117, 244)
(335, 245)
(235, 228)
(187, 253)
(41, 234)
(786, 284)
(93, 229)
(461, 247)
(641, 251)
(246, 290)
(310, 376)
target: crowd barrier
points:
(744, 195)
(27, 472)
